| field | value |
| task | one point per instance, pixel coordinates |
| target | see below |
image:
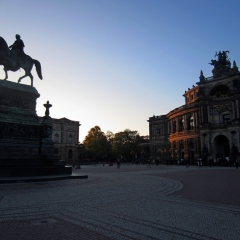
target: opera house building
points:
(207, 127)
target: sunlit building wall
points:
(206, 127)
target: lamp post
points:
(79, 159)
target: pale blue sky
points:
(115, 63)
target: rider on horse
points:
(16, 50)
(14, 59)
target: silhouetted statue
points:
(235, 67)
(222, 66)
(47, 106)
(202, 78)
(16, 50)
(14, 59)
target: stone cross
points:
(47, 106)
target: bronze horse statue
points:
(25, 62)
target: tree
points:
(110, 137)
(144, 139)
(96, 143)
(126, 144)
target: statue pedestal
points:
(26, 145)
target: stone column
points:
(201, 111)
(196, 118)
(185, 122)
(185, 149)
(177, 127)
(233, 108)
(238, 145)
(201, 143)
(209, 143)
(237, 108)
(208, 114)
(231, 139)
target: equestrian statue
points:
(13, 58)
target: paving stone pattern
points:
(133, 202)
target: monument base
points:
(26, 146)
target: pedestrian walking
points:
(215, 162)
(199, 162)
(149, 163)
(236, 164)
(227, 161)
(118, 163)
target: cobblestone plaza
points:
(131, 202)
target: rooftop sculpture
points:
(222, 66)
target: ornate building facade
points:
(65, 136)
(158, 137)
(207, 126)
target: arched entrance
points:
(221, 149)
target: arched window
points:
(181, 125)
(56, 138)
(226, 117)
(70, 153)
(157, 131)
(70, 139)
(174, 126)
(191, 122)
(219, 92)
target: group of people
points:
(151, 163)
(222, 162)
(138, 163)
(199, 162)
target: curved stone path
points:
(132, 202)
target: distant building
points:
(66, 138)
(158, 136)
(207, 126)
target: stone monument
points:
(26, 145)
